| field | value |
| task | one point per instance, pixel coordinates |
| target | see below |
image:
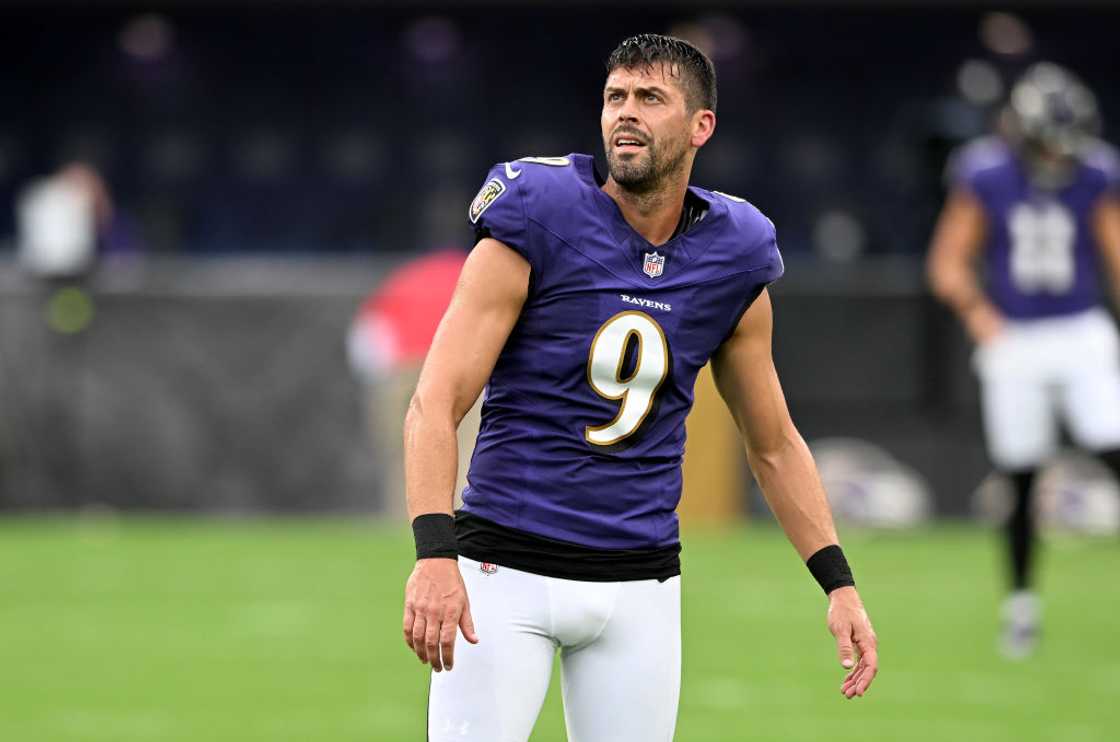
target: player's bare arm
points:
(1106, 226)
(951, 267)
(745, 374)
(483, 311)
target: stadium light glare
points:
(1005, 34)
(147, 38)
(838, 236)
(434, 39)
(979, 82)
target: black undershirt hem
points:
(486, 541)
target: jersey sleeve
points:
(967, 165)
(499, 211)
(769, 258)
(1106, 161)
(756, 255)
(765, 267)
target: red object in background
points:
(396, 324)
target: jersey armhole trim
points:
(748, 303)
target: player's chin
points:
(630, 171)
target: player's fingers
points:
(868, 650)
(851, 687)
(865, 679)
(869, 661)
(849, 679)
(861, 679)
(869, 655)
(844, 645)
(447, 632)
(466, 623)
(431, 643)
(851, 684)
(409, 619)
(419, 628)
(864, 635)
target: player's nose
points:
(628, 111)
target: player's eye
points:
(614, 97)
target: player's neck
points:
(655, 214)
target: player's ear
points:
(703, 126)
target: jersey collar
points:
(681, 249)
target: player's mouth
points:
(628, 144)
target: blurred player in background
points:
(587, 308)
(386, 344)
(1039, 208)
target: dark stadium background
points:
(271, 161)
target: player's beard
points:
(646, 171)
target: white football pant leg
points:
(1090, 389)
(495, 690)
(1019, 415)
(623, 684)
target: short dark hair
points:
(647, 49)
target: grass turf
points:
(135, 629)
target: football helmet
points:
(1051, 118)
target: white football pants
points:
(1040, 371)
(620, 655)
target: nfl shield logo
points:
(654, 264)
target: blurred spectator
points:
(387, 343)
(65, 220)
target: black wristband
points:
(435, 536)
(829, 567)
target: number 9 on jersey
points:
(636, 391)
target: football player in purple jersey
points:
(1039, 208)
(586, 310)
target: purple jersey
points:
(582, 430)
(1040, 253)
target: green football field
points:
(200, 630)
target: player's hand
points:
(855, 640)
(984, 323)
(435, 606)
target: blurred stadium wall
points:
(222, 384)
(258, 185)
